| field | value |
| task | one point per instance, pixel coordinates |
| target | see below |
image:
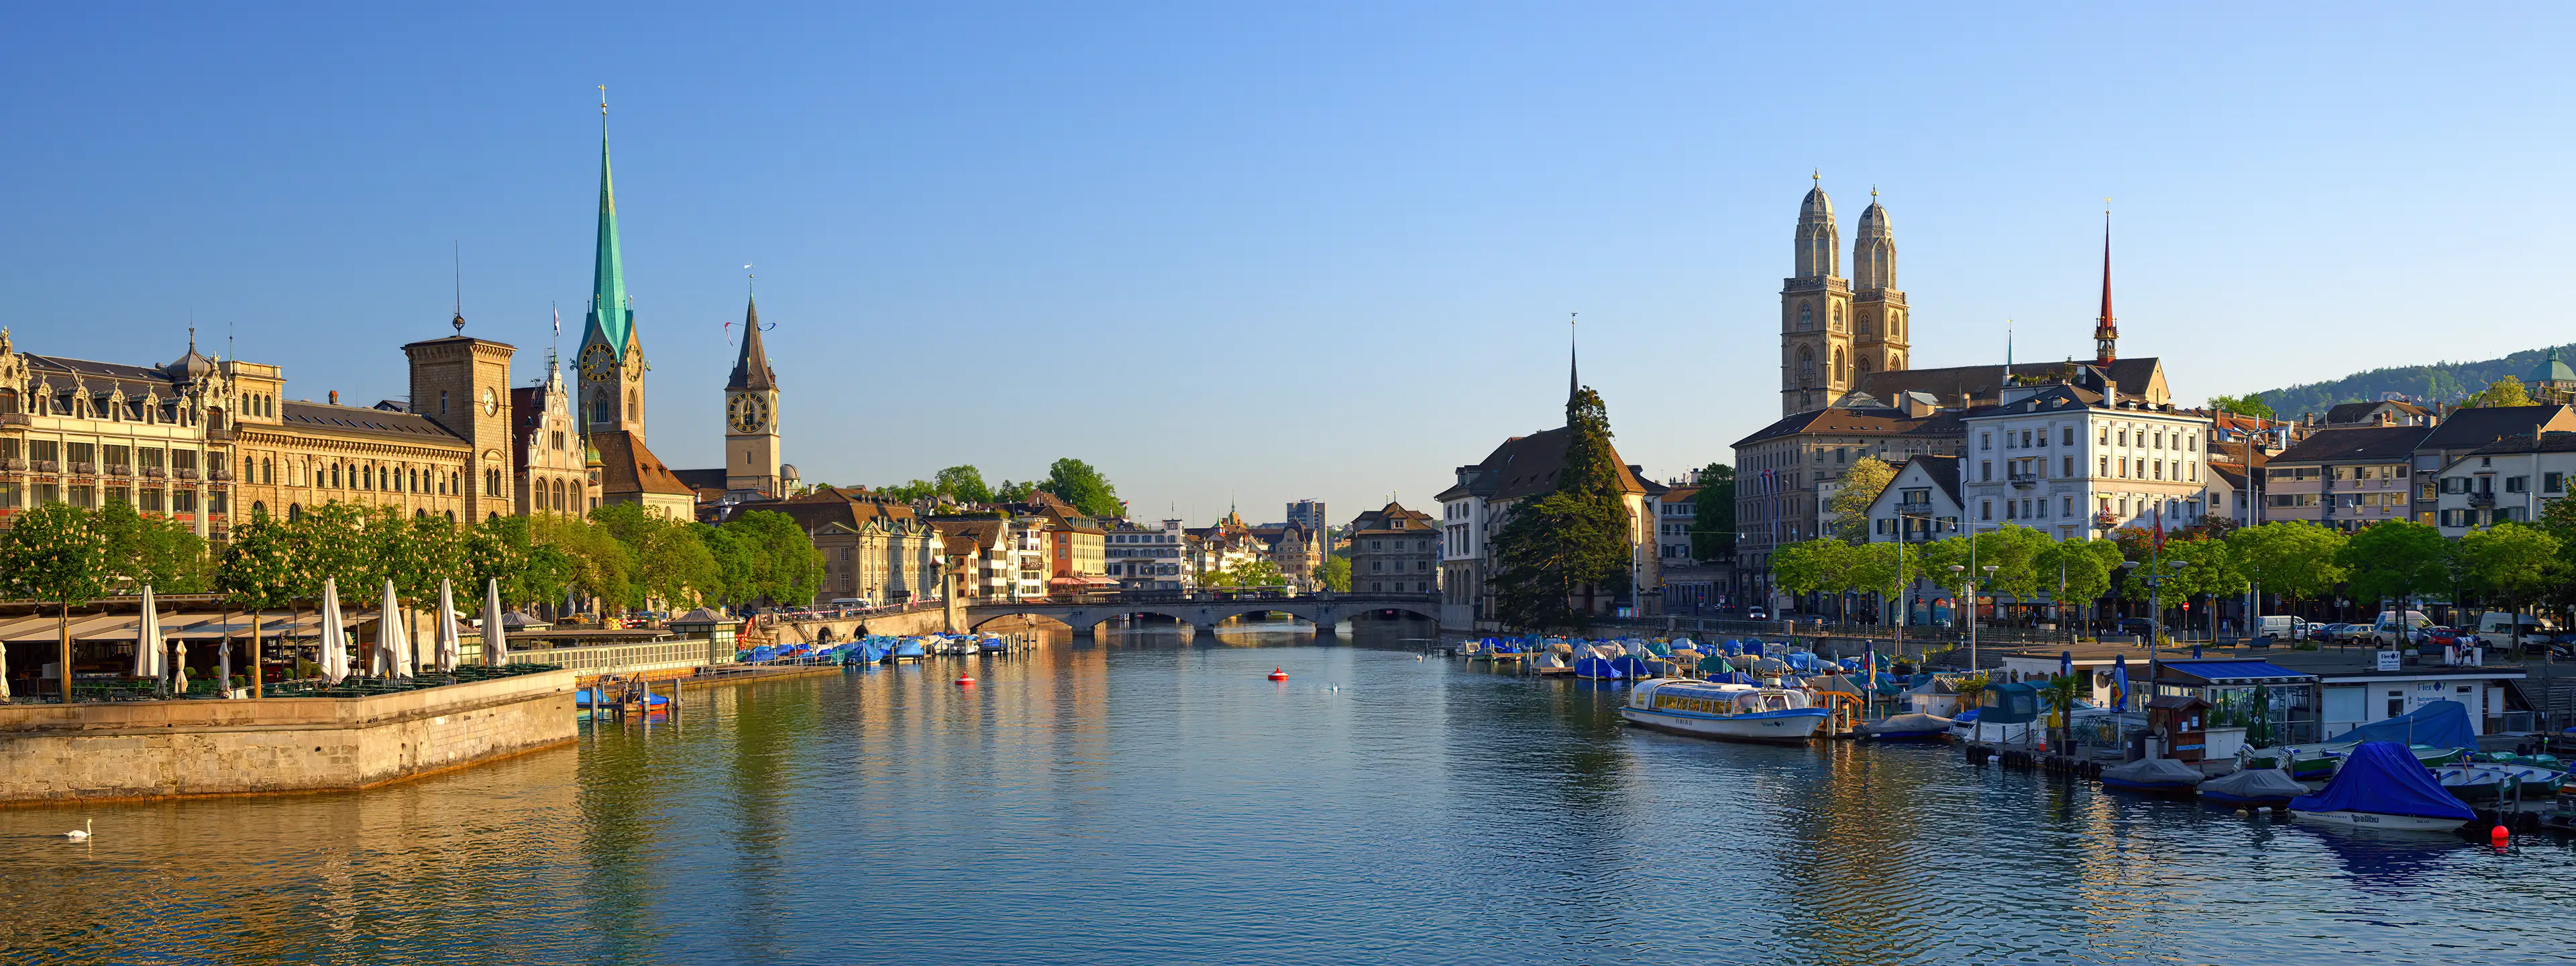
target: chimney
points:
(335, 397)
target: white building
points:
(1920, 504)
(2075, 457)
(1144, 557)
(2511, 479)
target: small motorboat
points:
(2253, 786)
(908, 650)
(1733, 712)
(2475, 783)
(2382, 786)
(1907, 727)
(2154, 776)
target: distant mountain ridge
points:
(2445, 382)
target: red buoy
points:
(1278, 674)
(2499, 836)
(965, 681)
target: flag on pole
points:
(558, 321)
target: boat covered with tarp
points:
(2438, 724)
(2253, 786)
(2382, 786)
(1598, 669)
(1908, 727)
(2155, 775)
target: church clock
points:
(598, 364)
(749, 412)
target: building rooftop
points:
(2353, 444)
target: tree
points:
(2294, 559)
(1077, 483)
(56, 553)
(263, 567)
(2394, 560)
(1848, 509)
(1258, 573)
(2511, 561)
(1334, 573)
(2076, 570)
(1811, 566)
(596, 564)
(965, 483)
(784, 566)
(2249, 404)
(1010, 492)
(151, 551)
(1575, 541)
(2505, 391)
(1713, 513)
(911, 492)
(1879, 568)
(2558, 519)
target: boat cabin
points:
(2179, 723)
(1720, 699)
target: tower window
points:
(1806, 317)
(442, 402)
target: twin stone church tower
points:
(609, 393)
(1833, 332)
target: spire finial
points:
(1573, 380)
(1873, 192)
(603, 100)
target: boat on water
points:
(1733, 712)
(2253, 786)
(2381, 786)
(1907, 727)
(909, 649)
(2476, 782)
(1597, 669)
(2154, 776)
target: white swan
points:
(80, 833)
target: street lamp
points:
(1966, 605)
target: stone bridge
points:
(1205, 610)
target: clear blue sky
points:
(1295, 251)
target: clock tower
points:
(751, 415)
(609, 383)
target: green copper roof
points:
(609, 315)
(2552, 370)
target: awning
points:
(2232, 672)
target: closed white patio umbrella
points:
(147, 640)
(335, 636)
(496, 648)
(393, 648)
(449, 645)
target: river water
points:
(1144, 799)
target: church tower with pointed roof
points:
(1879, 342)
(610, 363)
(1816, 312)
(751, 414)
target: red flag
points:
(2160, 526)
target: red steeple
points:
(2106, 328)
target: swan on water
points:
(79, 833)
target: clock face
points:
(750, 414)
(491, 402)
(598, 364)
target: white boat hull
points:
(2394, 823)
(1774, 727)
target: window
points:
(1985, 509)
(1986, 471)
(2106, 467)
(2066, 505)
(1985, 441)
(2106, 436)
(2553, 482)
(2517, 484)
(2066, 466)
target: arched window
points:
(1842, 366)
(1864, 366)
(451, 516)
(1861, 323)
(295, 511)
(1806, 366)
(1838, 316)
(258, 510)
(1806, 317)
(631, 408)
(600, 409)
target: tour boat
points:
(1733, 712)
(2381, 786)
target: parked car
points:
(1756, 613)
(2280, 627)
(2496, 628)
(2395, 628)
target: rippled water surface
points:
(1142, 800)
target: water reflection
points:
(1149, 797)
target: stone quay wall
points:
(160, 749)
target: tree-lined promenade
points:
(618, 559)
(2510, 566)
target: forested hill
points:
(2438, 382)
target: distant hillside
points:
(2439, 382)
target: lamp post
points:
(1972, 614)
(1966, 607)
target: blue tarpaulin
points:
(2438, 724)
(2383, 778)
(1595, 667)
(2238, 672)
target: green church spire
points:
(609, 314)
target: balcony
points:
(119, 469)
(2482, 499)
(14, 464)
(154, 472)
(84, 469)
(49, 466)
(186, 472)
(15, 419)
(221, 476)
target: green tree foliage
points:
(2249, 404)
(2440, 381)
(1713, 513)
(1010, 492)
(2396, 560)
(1573, 543)
(1077, 483)
(1252, 573)
(56, 553)
(1848, 510)
(1811, 566)
(914, 491)
(2512, 563)
(965, 483)
(596, 564)
(2086, 566)
(2505, 391)
(153, 551)
(2294, 559)
(1334, 573)
(783, 566)
(2558, 519)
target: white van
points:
(2280, 627)
(2495, 628)
(2387, 631)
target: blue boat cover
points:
(1630, 665)
(2438, 724)
(2223, 672)
(2383, 778)
(1595, 667)
(1753, 648)
(1736, 677)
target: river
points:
(1144, 799)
